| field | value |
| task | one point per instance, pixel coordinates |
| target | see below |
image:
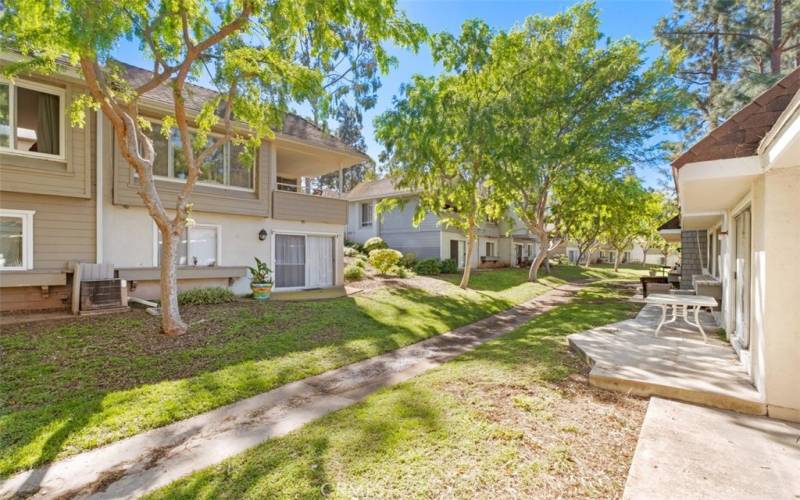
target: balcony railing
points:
(287, 205)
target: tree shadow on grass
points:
(103, 386)
(306, 463)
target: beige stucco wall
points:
(129, 239)
(773, 357)
(782, 291)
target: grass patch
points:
(512, 418)
(83, 383)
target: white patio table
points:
(681, 305)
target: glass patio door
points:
(320, 261)
(742, 277)
(290, 261)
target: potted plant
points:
(260, 280)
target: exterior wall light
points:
(262, 235)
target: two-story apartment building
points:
(497, 244)
(67, 195)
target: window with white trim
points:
(490, 249)
(32, 119)
(223, 168)
(366, 214)
(16, 240)
(200, 245)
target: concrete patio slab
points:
(627, 357)
(690, 452)
(139, 464)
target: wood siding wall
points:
(205, 198)
(308, 208)
(70, 177)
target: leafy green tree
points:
(571, 101)
(734, 50)
(658, 209)
(628, 206)
(440, 138)
(250, 49)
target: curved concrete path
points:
(141, 463)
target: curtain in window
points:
(290, 261)
(47, 133)
(320, 269)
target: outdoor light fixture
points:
(262, 235)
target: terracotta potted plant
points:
(260, 280)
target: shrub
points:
(374, 243)
(428, 267)
(408, 260)
(350, 252)
(360, 263)
(383, 259)
(448, 266)
(353, 273)
(401, 272)
(199, 296)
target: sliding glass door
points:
(304, 261)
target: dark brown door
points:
(454, 250)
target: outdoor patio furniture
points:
(647, 281)
(682, 306)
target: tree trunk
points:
(776, 52)
(171, 322)
(616, 260)
(467, 261)
(547, 263)
(533, 272)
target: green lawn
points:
(510, 419)
(83, 383)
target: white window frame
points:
(217, 227)
(493, 247)
(12, 118)
(361, 206)
(305, 236)
(226, 158)
(27, 237)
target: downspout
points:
(98, 217)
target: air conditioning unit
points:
(102, 294)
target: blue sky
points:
(619, 18)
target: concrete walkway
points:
(133, 466)
(626, 357)
(690, 452)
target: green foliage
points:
(260, 273)
(448, 266)
(350, 252)
(374, 243)
(205, 296)
(428, 267)
(353, 272)
(400, 272)
(362, 263)
(732, 51)
(409, 260)
(384, 259)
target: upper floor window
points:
(366, 214)
(32, 119)
(16, 240)
(224, 167)
(287, 184)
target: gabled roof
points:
(741, 134)
(293, 126)
(672, 224)
(381, 188)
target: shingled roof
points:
(741, 134)
(293, 126)
(380, 188)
